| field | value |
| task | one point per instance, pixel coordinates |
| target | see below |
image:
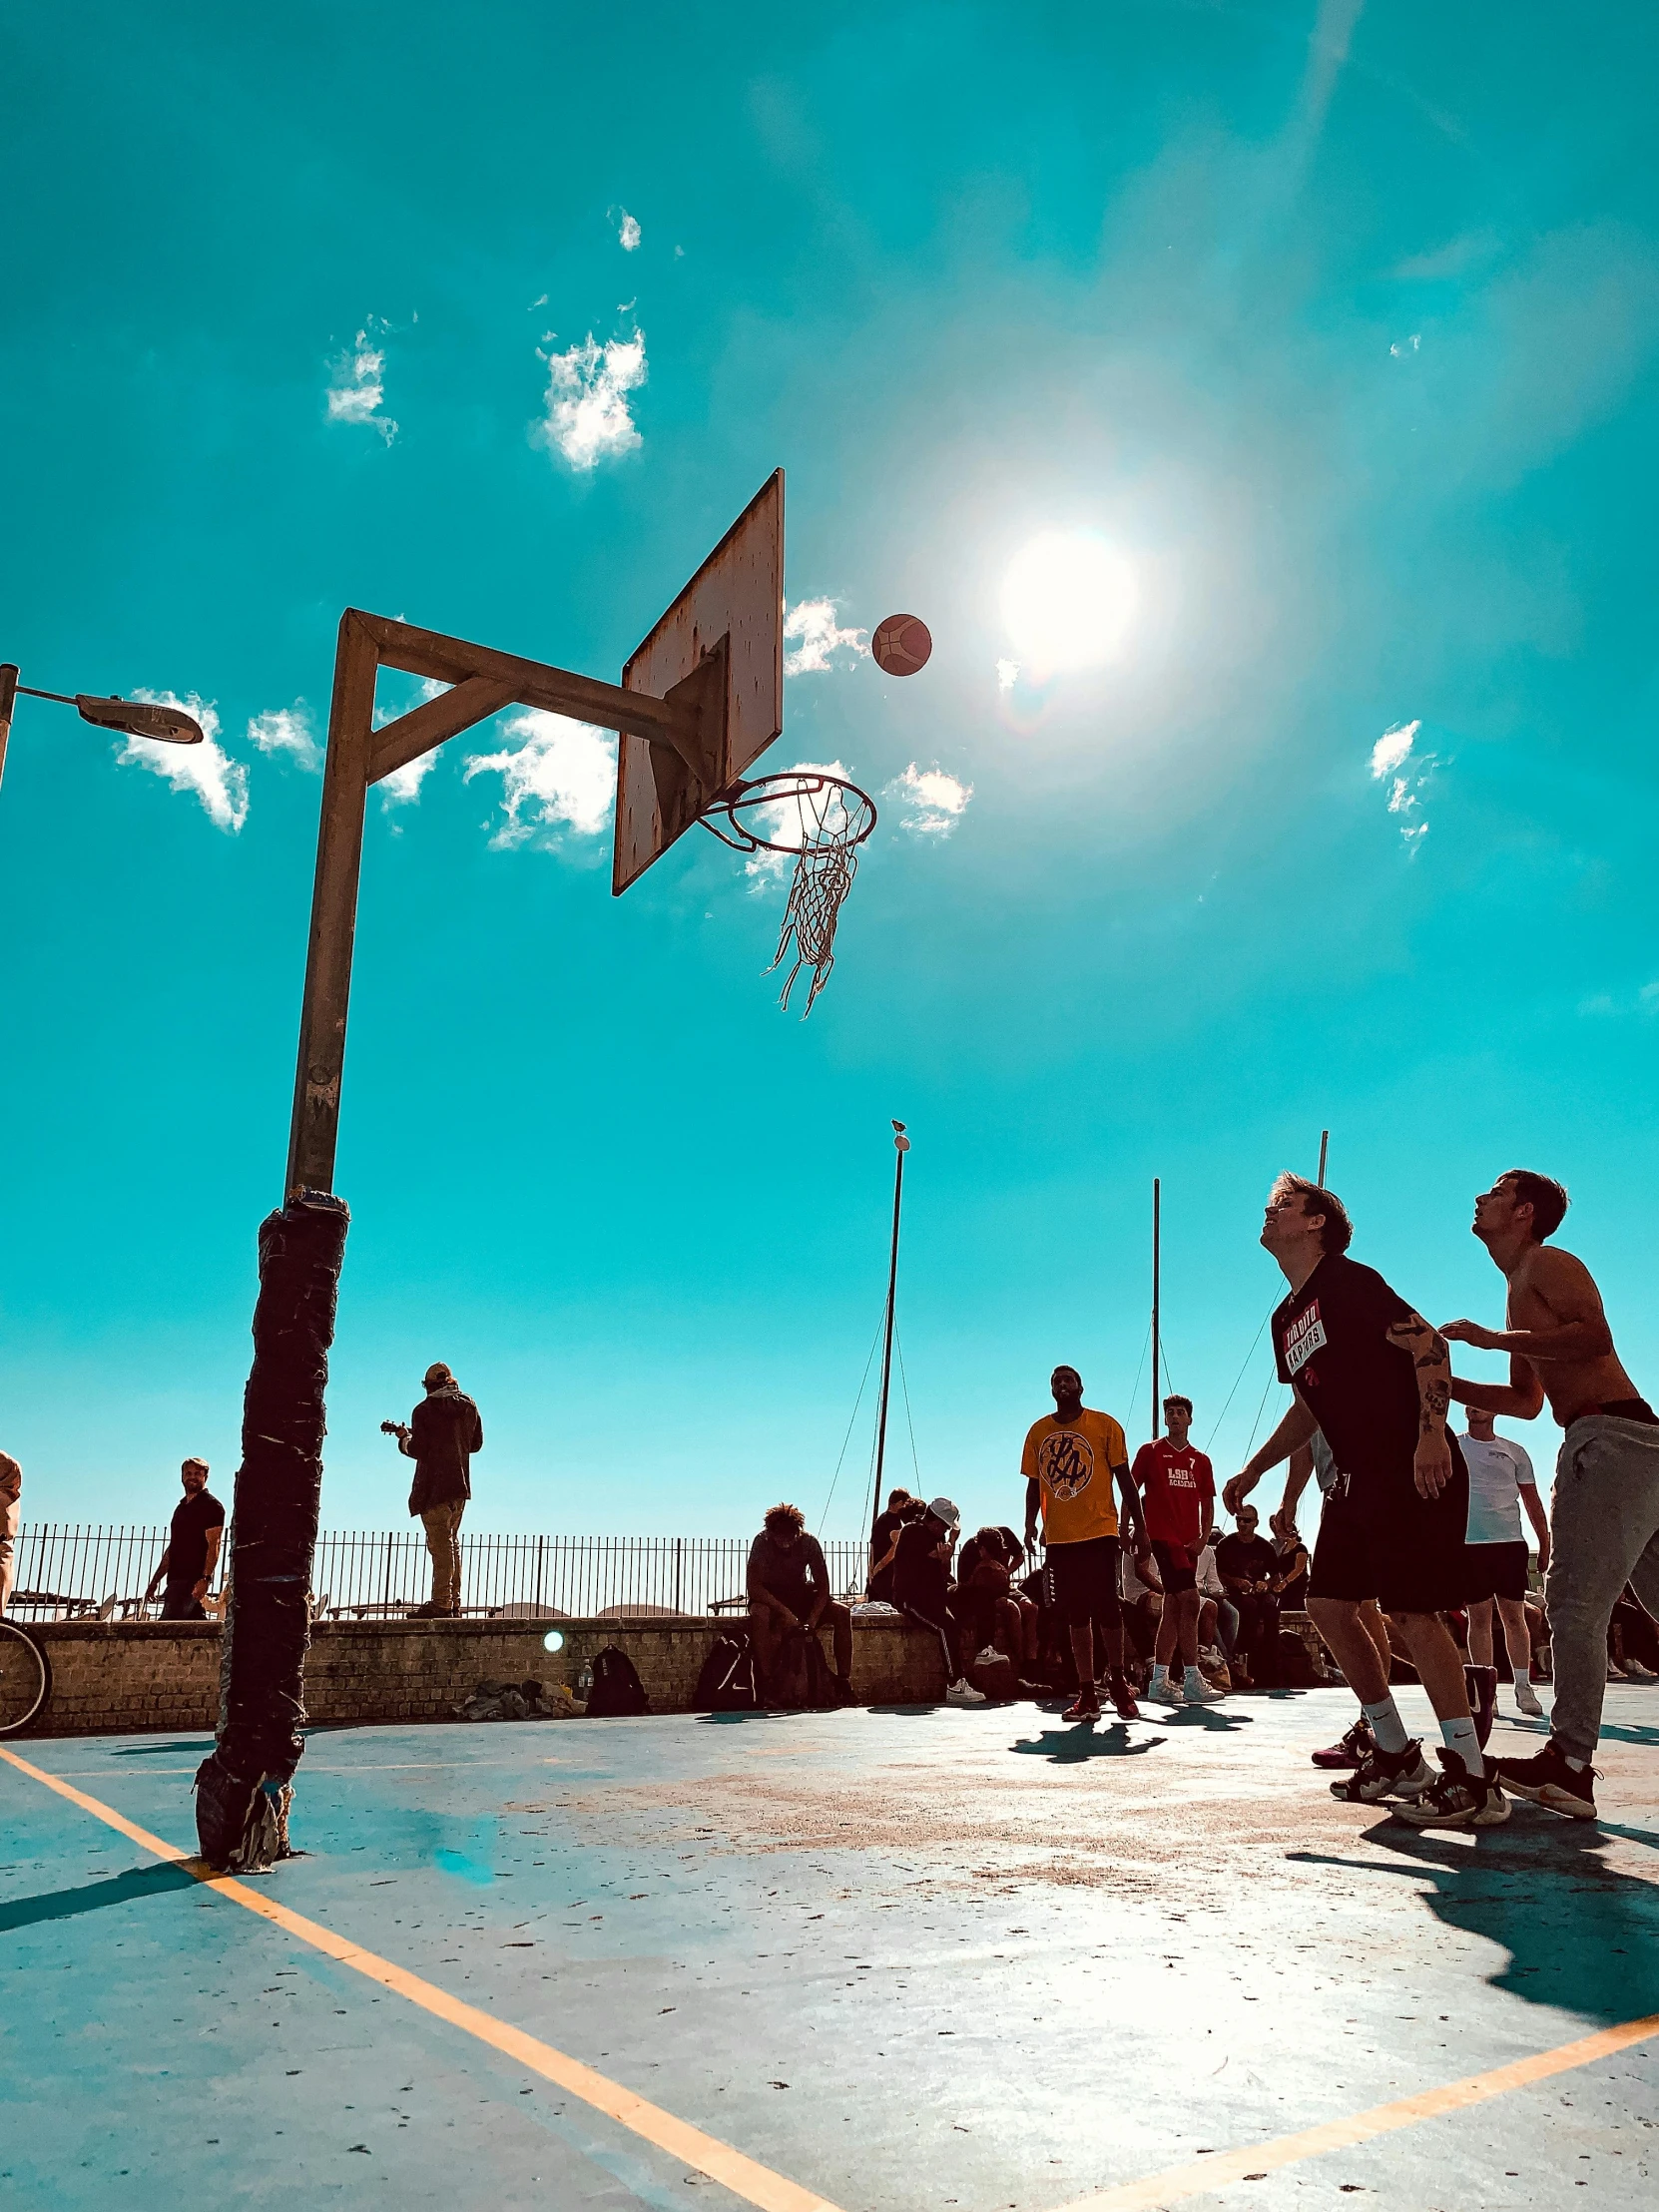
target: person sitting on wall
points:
(789, 1595)
(924, 1593)
(985, 1601)
(884, 1546)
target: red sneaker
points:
(1354, 1748)
(1123, 1701)
(1084, 1708)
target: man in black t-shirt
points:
(191, 1555)
(921, 1591)
(883, 1544)
(1247, 1564)
(789, 1594)
(1370, 1370)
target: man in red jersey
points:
(1178, 1498)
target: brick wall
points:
(120, 1677)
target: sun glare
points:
(1067, 600)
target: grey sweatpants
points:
(1604, 1532)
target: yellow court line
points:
(1205, 2174)
(758, 2184)
(772, 2192)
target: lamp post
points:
(137, 717)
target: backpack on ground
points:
(617, 1689)
(727, 1683)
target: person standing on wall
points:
(190, 1559)
(440, 1436)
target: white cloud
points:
(287, 730)
(587, 399)
(1007, 674)
(359, 386)
(560, 776)
(1409, 774)
(205, 769)
(935, 800)
(629, 233)
(811, 625)
(1392, 747)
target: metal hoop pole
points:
(901, 1145)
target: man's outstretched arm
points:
(1578, 1329)
(1521, 1399)
(1297, 1427)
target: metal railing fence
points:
(66, 1568)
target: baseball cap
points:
(942, 1509)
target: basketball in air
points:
(900, 645)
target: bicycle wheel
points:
(25, 1678)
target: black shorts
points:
(1085, 1579)
(1380, 1538)
(1176, 1564)
(1495, 1570)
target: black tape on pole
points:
(243, 1790)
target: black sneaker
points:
(1456, 1799)
(1481, 1684)
(1547, 1779)
(1386, 1773)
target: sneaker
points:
(963, 1692)
(1123, 1700)
(1456, 1799)
(1386, 1774)
(1199, 1691)
(1084, 1707)
(1165, 1693)
(1481, 1684)
(1527, 1700)
(1548, 1779)
(1353, 1751)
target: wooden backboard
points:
(732, 610)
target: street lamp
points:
(166, 725)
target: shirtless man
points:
(1605, 1516)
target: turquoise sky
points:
(1337, 329)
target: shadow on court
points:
(92, 1896)
(199, 1747)
(1580, 1934)
(1069, 1747)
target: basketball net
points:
(820, 819)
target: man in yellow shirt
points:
(1072, 1458)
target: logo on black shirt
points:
(1304, 1335)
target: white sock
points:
(1386, 1724)
(1159, 1675)
(1459, 1737)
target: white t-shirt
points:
(1208, 1576)
(1496, 1469)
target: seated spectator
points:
(789, 1595)
(1249, 1565)
(997, 1613)
(884, 1546)
(1142, 1590)
(1632, 1641)
(923, 1592)
(1218, 1617)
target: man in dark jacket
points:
(441, 1437)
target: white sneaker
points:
(989, 1657)
(1527, 1700)
(963, 1692)
(1199, 1691)
(1165, 1693)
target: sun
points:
(1068, 599)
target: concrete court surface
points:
(905, 1958)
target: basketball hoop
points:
(820, 819)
